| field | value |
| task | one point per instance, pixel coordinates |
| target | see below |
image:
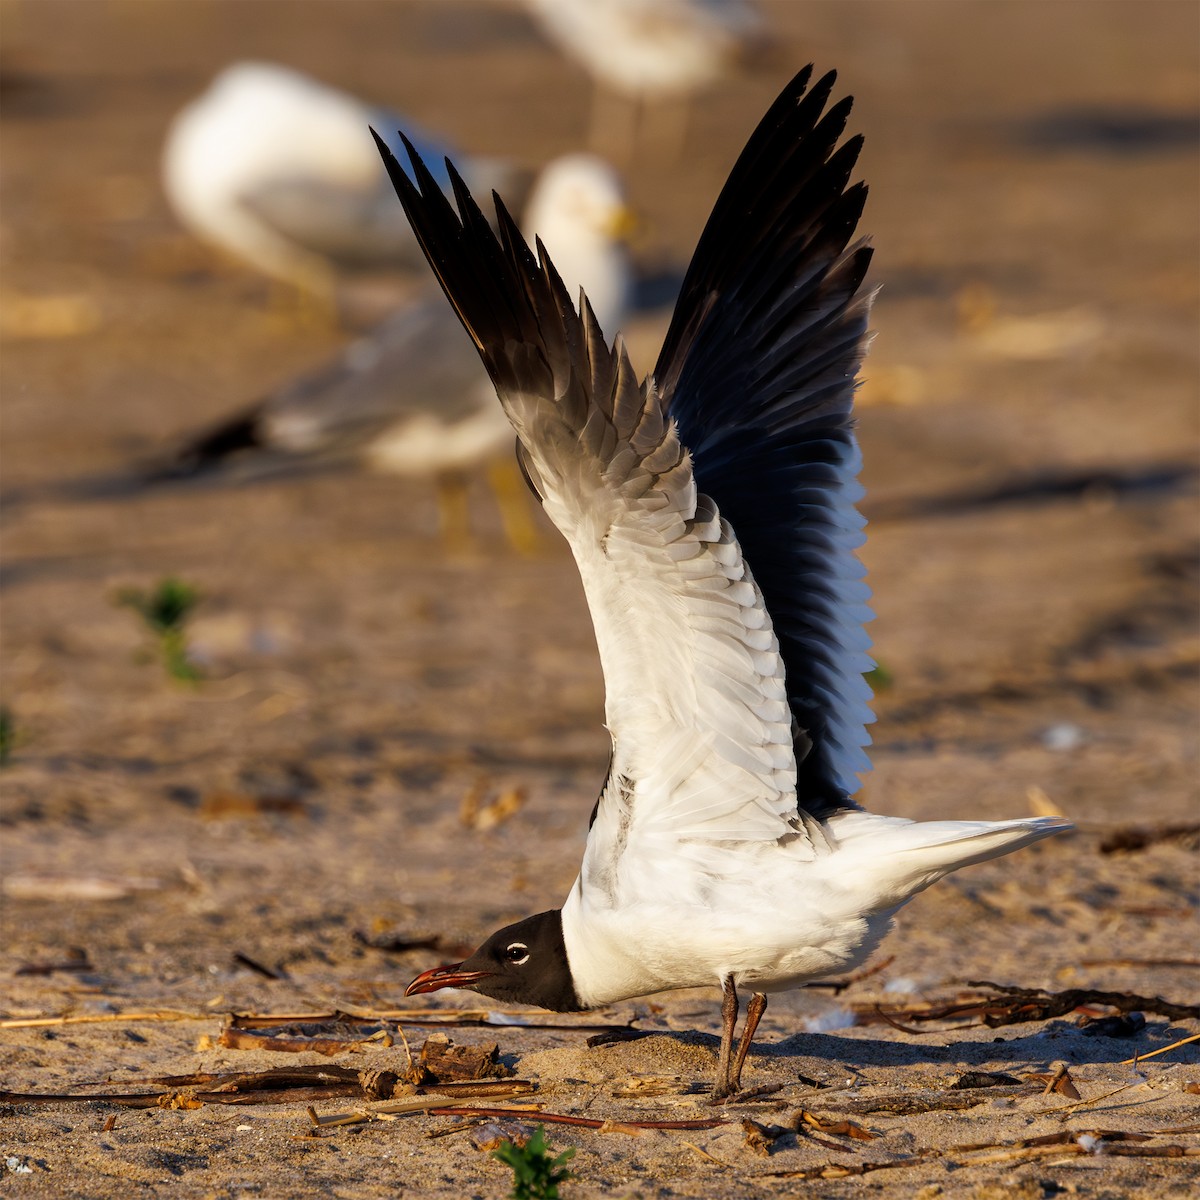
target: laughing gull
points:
(410, 398)
(277, 169)
(711, 512)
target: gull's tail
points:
(907, 856)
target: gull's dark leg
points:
(729, 1015)
(754, 1012)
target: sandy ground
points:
(1034, 188)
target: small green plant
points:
(8, 735)
(165, 610)
(879, 677)
(536, 1174)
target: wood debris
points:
(1032, 1004)
(1126, 839)
(913, 1103)
(1058, 1080)
(434, 1017)
(101, 1018)
(996, 1004)
(840, 1128)
(1119, 1025)
(760, 1139)
(304, 1038)
(984, 1079)
(837, 986)
(647, 1085)
(1115, 1143)
(479, 813)
(69, 888)
(400, 944)
(1146, 963)
(221, 804)
(442, 1061)
(289, 1085)
(1137, 1058)
(446, 1106)
(491, 1135)
(603, 1126)
(75, 960)
(251, 964)
(618, 1034)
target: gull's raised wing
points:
(758, 372)
(695, 704)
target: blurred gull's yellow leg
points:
(515, 505)
(454, 514)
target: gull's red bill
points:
(437, 978)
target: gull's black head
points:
(525, 963)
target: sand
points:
(1033, 176)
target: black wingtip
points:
(389, 159)
(422, 174)
(396, 173)
(800, 79)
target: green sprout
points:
(8, 735)
(879, 677)
(536, 1175)
(166, 610)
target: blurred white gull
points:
(280, 170)
(649, 52)
(411, 397)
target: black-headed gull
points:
(711, 512)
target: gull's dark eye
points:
(516, 953)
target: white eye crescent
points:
(517, 953)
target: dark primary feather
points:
(515, 308)
(758, 371)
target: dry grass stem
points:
(1137, 1058)
(705, 1154)
(100, 1018)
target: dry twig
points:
(1014, 1005)
(838, 986)
(1137, 1058)
(100, 1018)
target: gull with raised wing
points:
(710, 508)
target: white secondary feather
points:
(694, 691)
